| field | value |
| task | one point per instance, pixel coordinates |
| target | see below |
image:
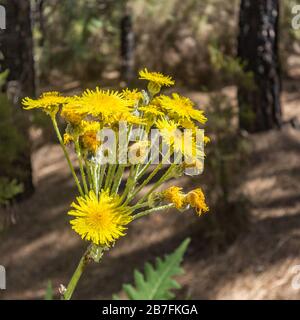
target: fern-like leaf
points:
(158, 282)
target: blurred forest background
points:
(239, 60)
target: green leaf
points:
(9, 189)
(157, 282)
(3, 76)
(49, 295)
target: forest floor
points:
(258, 265)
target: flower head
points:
(68, 138)
(156, 80)
(88, 137)
(104, 102)
(70, 114)
(101, 220)
(196, 199)
(132, 95)
(174, 195)
(175, 138)
(206, 140)
(156, 77)
(130, 118)
(151, 110)
(48, 102)
(181, 108)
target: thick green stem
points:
(77, 275)
(91, 254)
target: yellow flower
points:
(175, 138)
(156, 77)
(89, 141)
(151, 110)
(187, 124)
(175, 196)
(193, 163)
(156, 80)
(181, 108)
(172, 136)
(88, 126)
(124, 117)
(48, 102)
(196, 199)
(166, 127)
(206, 140)
(99, 102)
(70, 114)
(100, 220)
(132, 95)
(68, 138)
(88, 137)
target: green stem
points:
(77, 275)
(112, 177)
(145, 182)
(134, 179)
(66, 155)
(118, 179)
(102, 174)
(128, 185)
(91, 254)
(89, 174)
(157, 184)
(139, 206)
(95, 179)
(78, 152)
(144, 169)
(147, 212)
(109, 176)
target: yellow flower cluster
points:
(102, 212)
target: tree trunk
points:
(16, 46)
(260, 108)
(127, 46)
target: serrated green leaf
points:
(158, 281)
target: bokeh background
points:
(238, 60)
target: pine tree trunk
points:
(127, 46)
(260, 108)
(16, 45)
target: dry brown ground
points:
(41, 246)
